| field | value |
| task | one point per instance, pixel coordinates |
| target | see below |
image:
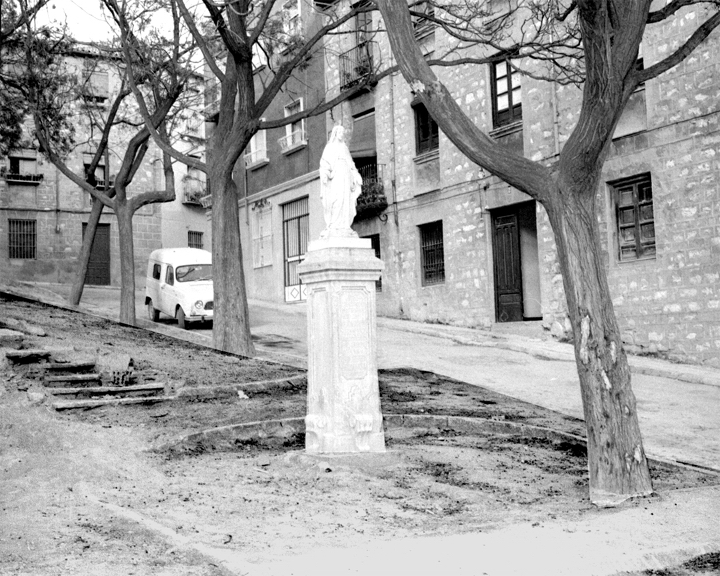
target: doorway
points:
(515, 263)
(98, 272)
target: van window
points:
(169, 276)
(194, 273)
(156, 271)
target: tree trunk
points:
(231, 317)
(616, 458)
(84, 258)
(127, 262)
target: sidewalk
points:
(679, 416)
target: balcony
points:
(256, 158)
(293, 141)
(193, 192)
(372, 200)
(14, 178)
(356, 65)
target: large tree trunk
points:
(127, 262)
(84, 258)
(231, 318)
(616, 458)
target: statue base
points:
(343, 412)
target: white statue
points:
(340, 186)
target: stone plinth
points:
(343, 413)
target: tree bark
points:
(78, 285)
(127, 262)
(231, 324)
(616, 459)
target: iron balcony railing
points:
(21, 178)
(356, 64)
(372, 200)
(193, 192)
(295, 138)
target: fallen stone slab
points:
(247, 387)
(59, 381)
(89, 404)
(79, 366)
(22, 326)
(11, 338)
(27, 356)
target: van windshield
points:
(194, 273)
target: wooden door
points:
(508, 276)
(98, 272)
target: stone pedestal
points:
(343, 413)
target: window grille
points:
(635, 218)
(506, 92)
(195, 239)
(426, 130)
(22, 240)
(433, 257)
(296, 221)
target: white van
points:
(179, 284)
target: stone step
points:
(88, 404)
(141, 390)
(80, 379)
(81, 366)
(27, 356)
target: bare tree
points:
(159, 69)
(610, 34)
(240, 31)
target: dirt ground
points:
(89, 492)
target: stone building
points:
(462, 247)
(43, 214)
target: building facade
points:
(43, 214)
(462, 247)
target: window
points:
(22, 239)
(506, 93)
(195, 239)
(363, 24)
(291, 18)
(22, 167)
(262, 234)
(423, 26)
(169, 276)
(97, 178)
(257, 149)
(432, 255)
(95, 83)
(294, 132)
(156, 271)
(426, 130)
(375, 244)
(635, 221)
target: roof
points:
(180, 256)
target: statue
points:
(340, 186)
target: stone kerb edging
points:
(281, 431)
(286, 383)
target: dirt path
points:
(83, 493)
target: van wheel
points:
(152, 312)
(180, 315)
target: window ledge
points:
(426, 157)
(259, 163)
(643, 259)
(506, 130)
(295, 147)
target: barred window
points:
(433, 257)
(195, 239)
(635, 218)
(22, 239)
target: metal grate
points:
(22, 239)
(296, 234)
(433, 257)
(195, 239)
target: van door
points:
(168, 296)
